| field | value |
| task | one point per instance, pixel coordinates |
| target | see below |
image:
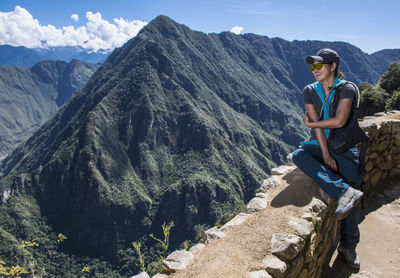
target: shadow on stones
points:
(299, 192)
(339, 268)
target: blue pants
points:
(309, 160)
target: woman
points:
(336, 174)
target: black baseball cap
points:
(324, 55)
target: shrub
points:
(390, 80)
(394, 102)
(372, 101)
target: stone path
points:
(379, 247)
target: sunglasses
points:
(316, 66)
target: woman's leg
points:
(349, 232)
(309, 160)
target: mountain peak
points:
(165, 26)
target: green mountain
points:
(175, 125)
(28, 96)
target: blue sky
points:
(369, 25)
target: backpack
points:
(343, 138)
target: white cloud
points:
(237, 30)
(75, 17)
(19, 28)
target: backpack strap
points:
(344, 83)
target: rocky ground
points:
(379, 247)
(243, 247)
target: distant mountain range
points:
(28, 57)
(175, 125)
(28, 96)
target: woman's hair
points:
(338, 72)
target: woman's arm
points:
(342, 114)
(312, 116)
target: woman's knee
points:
(297, 156)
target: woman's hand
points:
(306, 119)
(330, 162)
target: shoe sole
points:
(354, 266)
(355, 202)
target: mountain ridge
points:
(175, 125)
(27, 57)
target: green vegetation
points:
(137, 246)
(28, 96)
(155, 266)
(176, 126)
(13, 271)
(164, 242)
(383, 96)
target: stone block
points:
(394, 173)
(177, 260)
(213, 234)
(369, 166)
(375, 178)
(236, 221)
(385, 127)
(395, 126)
(256, 204)
(369, 126)
(325, 197)
(269, 184)
(262, 195)
(387, 164)
(141, 275)
(383, 145)
(160, 275)
(385, 175)
(286, 246)
(310, 252)
(318, 223)
(282, 170)
(307, 216)
(318, 206)
(303, 274)
(371, 155)
(195, 248)
(302, 227)
(296, 267)
(275, 266)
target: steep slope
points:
(28, 96)
(175, 125)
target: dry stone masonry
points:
(303, 252)
(383, 154)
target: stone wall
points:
(303, 252)
(383, 153)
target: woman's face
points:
(325, 72)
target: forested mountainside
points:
(28, 96)
(175, 125)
